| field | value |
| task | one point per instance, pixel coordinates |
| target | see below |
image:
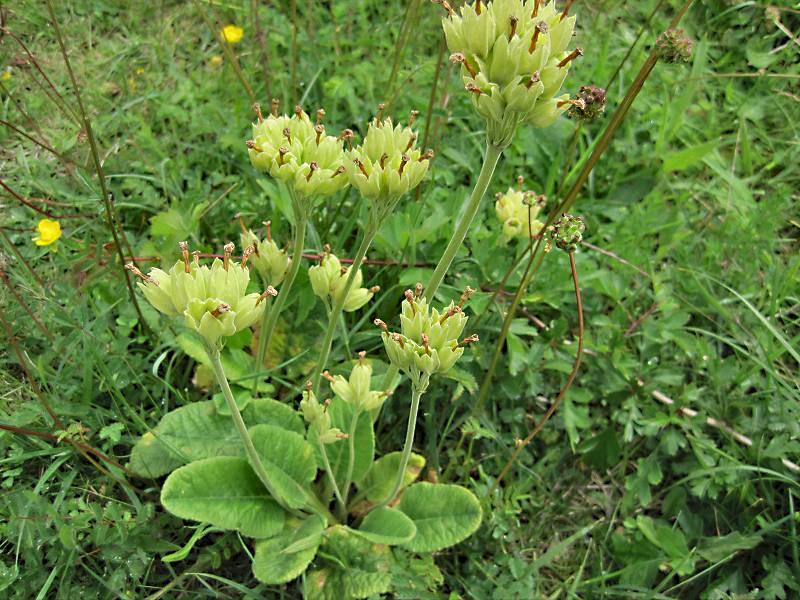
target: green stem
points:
(417, 389)
(333, 318)
(268, 325)
(249, 448)
(336, 492)
(262, 344)
(490, 160)
(470, 209)
(351, 456)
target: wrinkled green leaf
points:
(288, 460)
(225, 492)
(282, 558)
(380, 478)
(444, 515)
(387, 526)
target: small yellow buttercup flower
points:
(232, 34)
(215, 60)
(49, 232)
(6, 74)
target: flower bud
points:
(270, 262)
(329, 278)
(317, 416)
(567, 232)
(517, 211)
(590, 104)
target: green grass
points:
(695, 296)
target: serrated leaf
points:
(288, 460)
(380, 479)
(197, 431)
(275, 563)
(444, 515)
(225, 492)
(389, 526)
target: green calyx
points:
(388, 163)
(270, 262)
(298, 152)
(514, 60)
(428, 342)
(518, 210)
(213, 300)
(318, 417)
(328, 280)
(356, 390)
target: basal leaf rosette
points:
(328, 280)
(298, 152)
(514, 60)
(428, 339)
(388, 163)
(213, 300)
(518, 210)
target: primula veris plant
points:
(270, 262)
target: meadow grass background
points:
(690, 290)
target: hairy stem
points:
(351, 457)
(576, 365)
(417, 389)
(268, 325)
(338, 305)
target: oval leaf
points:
(281, 559)
(380, 479)
(225, 492)
(444, 515)
(387, 526)
(289, 461)
(198, 431)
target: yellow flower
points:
(49, 232)
(232, 34)
(215, 60)
(140, 71)
(6, 75)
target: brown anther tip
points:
(320, 129)
(403, 161)
(361, 168)
(468, 340)
(535, 78)
(520, 180)
(298, 110)
(514, 20)
(381, 324)
(571, 56)
(343, 270)
(281, 152)
(471, 87)
(196, 256)
(425, 343)
(409, 296)
(399, 339)
(246, 253)
(412, 117)
(339, 170)
(418, 290)
(287, 133)
(375, 289)
(382, 159)
(345, 135)
(326, 248)
(457, 57)
(309, 386)
(274, 106)
(326, 403)
(411, 141)
(327, 375)
(320, 115)
(429, 154)
(257, 110)
(220, 310)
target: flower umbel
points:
(269, 261)
(213, 300)
(388, 163)
(231, 34)
(48, 232)
(328, 280)
(298, 152)
(318, 418)
(517, 211)
(428, 342)
(514, 59)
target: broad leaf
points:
(380, 478)
(198, 431)
(282, 558)
(444, 515)
(367, 571)
(387, 526)
(288, 460)
(225, 492)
